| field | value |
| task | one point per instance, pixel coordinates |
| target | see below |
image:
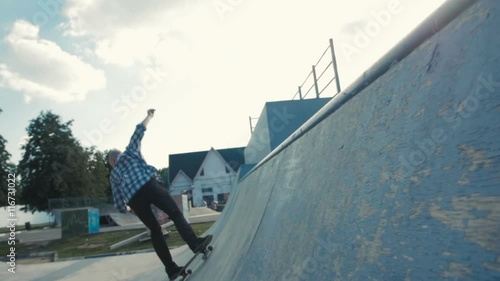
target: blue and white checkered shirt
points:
(131, 171)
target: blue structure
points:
(79, 221)
(277, 122)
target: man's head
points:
(112, 156)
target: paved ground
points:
(145, 266)
(138, 266)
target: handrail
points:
(324, 53)
(324, 70)
(307, 92)
(316, 79)
(328, 84)
(309, 75)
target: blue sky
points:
(205, 66)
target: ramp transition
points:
(397, 178)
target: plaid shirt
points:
(131, 171)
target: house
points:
(206, 175)
(277, 122)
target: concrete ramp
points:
(397, 178)
(125, 219)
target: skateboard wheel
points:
(210, 248)
(189, 271)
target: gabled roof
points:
(181, 175)
(189, 163)
(212, 151)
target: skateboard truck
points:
(185, 272)
(205, 254)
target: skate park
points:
(396, 178)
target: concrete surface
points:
(399, 183)
(124, 219)
(118, 268)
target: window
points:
(202, 173)
(227, 170)
(207, 190)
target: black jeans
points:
(153, 193)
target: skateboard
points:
(185, 272)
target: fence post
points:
(334, 63)
(315, 81)
(300, 93)
(250, 120)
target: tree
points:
(53, 164)
(6, 168)
(163, 173)
(99, 171)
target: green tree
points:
(99, 173)
(163, 173)
(6, 167)
(53, 165)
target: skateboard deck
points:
(186, 272)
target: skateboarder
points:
(135, 189)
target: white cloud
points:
(127, 47)
(126, 32)
(102, 18)
(41, 69)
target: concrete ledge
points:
(51, 255)
(106, 255)
(54, 256)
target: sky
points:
(205, 66)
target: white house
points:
(180, 183)
(207, 175)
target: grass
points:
(99, 243)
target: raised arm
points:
(135, 140)
(151, 113)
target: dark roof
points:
(190, 163)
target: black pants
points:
(153, 193)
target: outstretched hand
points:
(151, 112)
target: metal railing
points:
(328, 70)
(76, 202)
(318, 84)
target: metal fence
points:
(76, 202)
(318, 83)
(326, 69)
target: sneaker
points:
(173, 272)
(203, 243)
